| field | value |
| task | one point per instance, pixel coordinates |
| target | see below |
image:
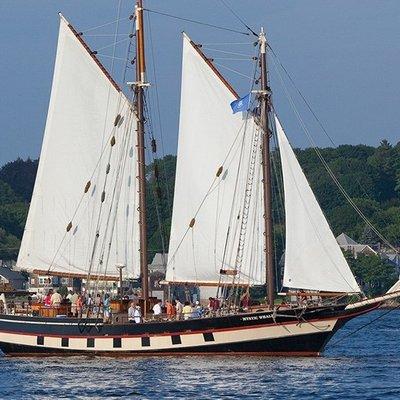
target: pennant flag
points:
(242, 104)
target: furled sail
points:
(83, 213)
(313, 259)
(207, 204)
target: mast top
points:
(262, 40)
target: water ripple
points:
(364, 366)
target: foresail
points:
(313, 259)
(210, 137)
(86, 174)
(395, 287)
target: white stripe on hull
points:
(164, 342)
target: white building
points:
(348, 244)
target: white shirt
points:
(138, 316)
(56, 299)
(131, 313)
(179, 307)
(157, 309)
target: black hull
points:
(286, 333)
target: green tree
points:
(374, 275)
(9, 246)
(20, 176)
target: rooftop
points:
(11, 275)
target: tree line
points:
(370, 175)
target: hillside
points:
(370, 175)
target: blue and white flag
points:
(242, 104)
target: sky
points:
(343, 55)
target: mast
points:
(265, 98)
(139, 95)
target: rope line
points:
(193, 21)
(327, 167)
(106, 24)
(363, 326)
(301, 94)
(232, 70)
(237, 16)
(310, 109)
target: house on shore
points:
(11, 280)
(348, 244)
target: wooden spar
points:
(198, 283)
(75, 275)
(139, 95)
(265, 98)
(300, 293)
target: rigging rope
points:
(155, 187)
(196, 22)
(160, 125)
(106, 24)
(363, 326)
(227, 52)
(78, 207)
(113, 44)
(232, 70)
(306, 102)
(327, 167)
(301, 94)
(210, 190)
(237, 16)
(99, 216)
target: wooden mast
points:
(265, 98)
(139, 95)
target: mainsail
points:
(313, 259)
(210, 137)
(87, 172)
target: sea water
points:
(365, 365)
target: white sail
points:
(76, 149)
(313, 259)
(210, 136)
(395, 287)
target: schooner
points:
(88, 215)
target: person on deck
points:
(198, 310)
(138, 315)
(106, 308)
(131, 312)
(157, 310)
(47, 299)
(179, 309)
(74, 300)
(79, 306)
(187, 311)
(89, 303)
(245, 300)
(69, 296)
(56, 299)
(97, 305)
(171, 310)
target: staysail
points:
(210, 137)
(83, 214)
(313, 259)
